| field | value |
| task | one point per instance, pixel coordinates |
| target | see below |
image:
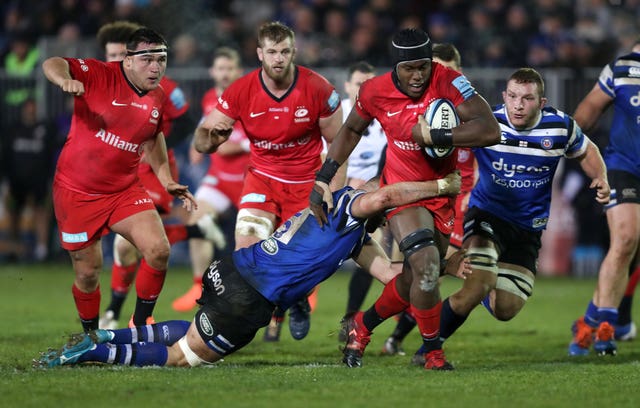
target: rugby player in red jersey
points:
(398, 100)
(285, 110)
(221, 188)
(117, 118)
(177, 123)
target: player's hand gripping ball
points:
(441, 114)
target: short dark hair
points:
(116, 32)
(360, 66)
(145, 35)
(528, 76)
(447, 52)
(274, 31)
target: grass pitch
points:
(522, 363)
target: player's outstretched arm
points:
(56, 69)
(591, 108)
(402, 193)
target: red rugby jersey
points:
(110, 124)
(284, 132)
(380, 99)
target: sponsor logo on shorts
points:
(205, 325)
(539, 222)
(629, 193)
(270, 246)
(74, 238)
(253, 198)
(214, 276)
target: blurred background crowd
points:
(492, 35)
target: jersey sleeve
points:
(577, 142)
(88, 70)
(605, 80)
(228, 101)
(364, 95)
(452, 85)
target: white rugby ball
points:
(441, 114)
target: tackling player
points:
(117, 118)
(239, 297)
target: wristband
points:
(442, 185)
(441, 137)
(327, 171)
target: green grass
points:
(521, 363)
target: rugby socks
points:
(148, 286)
(359, 285)
(449, 320)
(624, 309)
(88, 306)
(608, 314)
(166, 333)
(406, 323)
(121, 280)
(591, 316)
(388, 304)
(138, 354)
(428, 321)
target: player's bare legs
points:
(252, 226)
(146, 232)
(176, 355)
(87, 263)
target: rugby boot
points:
(357, 339)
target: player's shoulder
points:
(311, 78)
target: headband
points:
(161, 50)
(407, 53)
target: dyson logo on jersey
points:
(635, 100)
(510, 170)
(115, 141)
(214, 277)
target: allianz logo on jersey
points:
(509, 170)
(635, 100)
(114, 140)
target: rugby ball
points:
(441, 114)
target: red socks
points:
(390, 302)
(149, 282)
(87, 304)
(122, 277)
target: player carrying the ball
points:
(398, 100)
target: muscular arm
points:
(329, 128)
(402, 193)
(593, 166)
(478, 126)
(56, 69)
(591, 108)
(156, 155)
(213, 131)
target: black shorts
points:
(231, 311)
(625, 188)
(21, 190)
(515, 245)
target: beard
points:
(278, 76)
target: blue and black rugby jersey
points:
(300, 254)
(621, 81)
(515, 175)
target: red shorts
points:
(441, 208)
(85, 218)
(279, 198)
(160, 196)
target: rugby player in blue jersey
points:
(509, 205)
(239, 298)
(618, 85)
